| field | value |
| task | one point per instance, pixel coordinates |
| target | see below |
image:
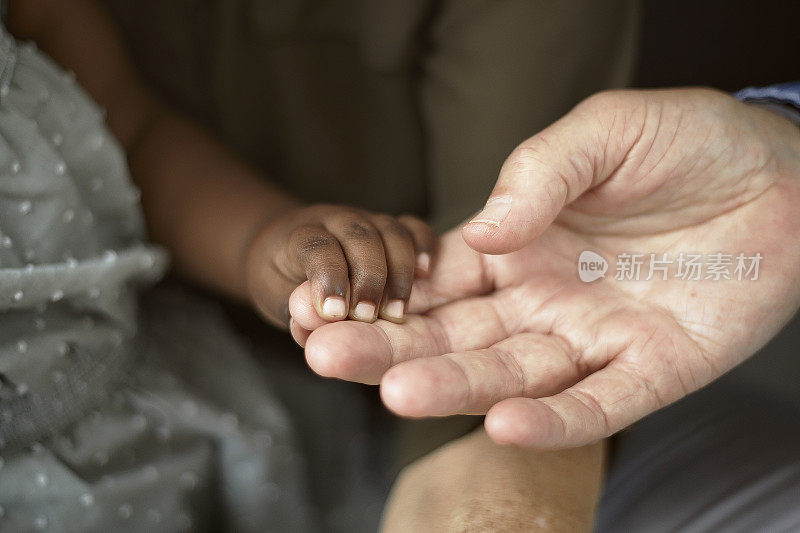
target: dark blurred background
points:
(727, 44)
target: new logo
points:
(591, 266)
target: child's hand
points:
(359, 264)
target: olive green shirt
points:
(393, 105)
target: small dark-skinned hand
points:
(358, 264)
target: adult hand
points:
(557, 362)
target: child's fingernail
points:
(423, 262)
(334, 308)
(395, 309)
(364, 311)
(494, 212)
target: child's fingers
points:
(314, 253)
(425, 242)
(399, 246)
(366, 260)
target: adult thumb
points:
(542, 175)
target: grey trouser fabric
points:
(116, 417)
(724, 459)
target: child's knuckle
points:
(357, 229)
(394, 227)
(312, 243)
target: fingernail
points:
(494, 212)
(334, 308)
(364, 311)
(423, 262)
(395, 309)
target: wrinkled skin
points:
(557, 362)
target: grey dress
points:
(112, 417)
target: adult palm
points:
(558, 362)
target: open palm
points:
(559, 362)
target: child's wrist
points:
(259, 226)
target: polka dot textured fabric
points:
(114, 416)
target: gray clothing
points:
(114, 418)
(71, 231)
